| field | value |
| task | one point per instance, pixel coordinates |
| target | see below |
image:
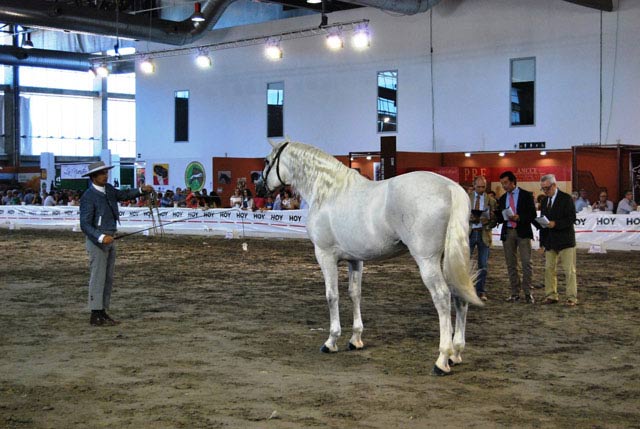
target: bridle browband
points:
(276, 160)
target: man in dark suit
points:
(516, 234)
(98, 217)
(558, 239)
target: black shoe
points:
(513, 298)
(530, 299)
(482, 296)
(96, 318)
(107, 320)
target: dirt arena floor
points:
(215, 337)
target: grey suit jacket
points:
(99, 212)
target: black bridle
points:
(269, 166)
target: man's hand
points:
(108, 239)
(146, 189)
(552, 224)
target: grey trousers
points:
(101, 263)
(515, 246)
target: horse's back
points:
(420, 204)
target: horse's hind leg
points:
(432, 277)
(329, 265)
(355, 292)
(461, 321)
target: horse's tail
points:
(457, 264)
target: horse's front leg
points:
(355, 292)
(329, 266)
(461, 307)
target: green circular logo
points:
(194, 176)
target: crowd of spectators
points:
(243, 198)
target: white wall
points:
(330, 97)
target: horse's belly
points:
(369, 252)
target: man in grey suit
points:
(98, 217)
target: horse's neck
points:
(321, 178)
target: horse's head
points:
(276, 173)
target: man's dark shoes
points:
(108, 320)
(96, 318)
(530, 299)
(513, 298)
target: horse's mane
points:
(316, 174)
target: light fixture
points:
(102, 70)
(197, 13)
(368, 157)
(467, 154)
(543, 153)
(314, 1)
(273, 50)
(501, 154)
(147, 66)
(27, 43)
(335, 40)
(386, 119)
(361, 37)
(203, 60)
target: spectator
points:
(28, 197)
(50, 200)
(247, 201)
(236, 199)
(516, 234)
(558, 240)
(482, 221)
(627, 205)
(582, 201)
(277, 202)
(288, 201)
(268, 205)
(603, 204)
(191, 200)
(167, 199)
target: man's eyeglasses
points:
(546, 188)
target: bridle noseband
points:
(276, 160)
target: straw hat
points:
(97, 166)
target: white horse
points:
(354, 219)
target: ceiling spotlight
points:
(335, 41)
(501, 154)
(102, 70)
(361, 37)
(197, 13)
(368, 157)
(543, 153)
(467, 154)
(273, 50)
(203, 60)
(314, 1)
(147, 66)
(27, 43)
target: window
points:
(523, 79)
(275, 109)
(388, 101)
(122, 127)
(60, 124)
(58, 79)
(182, 116)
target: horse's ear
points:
(272, 143)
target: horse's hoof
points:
(438, 372)
(451, 363)
(354, 347)
(325, 349)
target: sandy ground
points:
(214, 337)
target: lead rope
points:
(156, 220)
